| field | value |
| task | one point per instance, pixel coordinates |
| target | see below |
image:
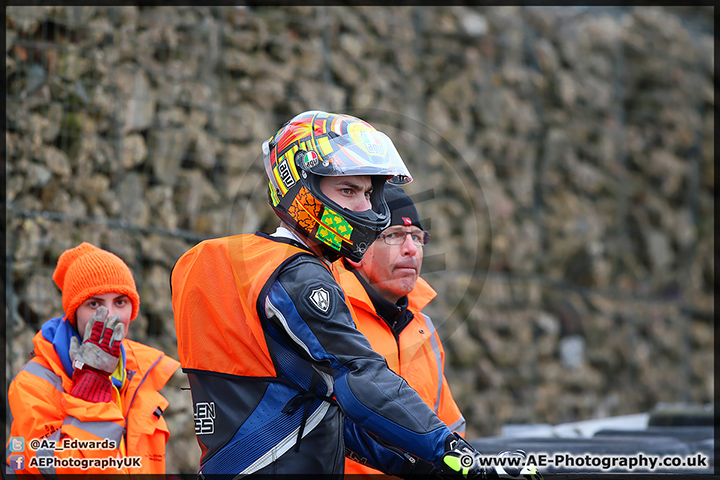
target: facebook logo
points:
(16, 462)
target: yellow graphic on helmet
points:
(333, 229)
(273, 195)
(284, 171)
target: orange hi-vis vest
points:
(417, 355)
(127, 437)
(209, 296)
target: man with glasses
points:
(387, 296)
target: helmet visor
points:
(363, 152)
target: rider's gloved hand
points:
(460, 461)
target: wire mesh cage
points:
(563, 163)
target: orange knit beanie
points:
(87, 270)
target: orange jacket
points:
(44, 411)
(418, 357)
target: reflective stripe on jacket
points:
(45, 413)
(417, 355)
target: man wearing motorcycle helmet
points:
(270, 348)
(313, 160)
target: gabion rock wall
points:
(563, 162)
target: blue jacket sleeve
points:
(371, 451)
(363, 448)
(307, 304)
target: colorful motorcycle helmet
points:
(317, 144)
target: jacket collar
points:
(421, 295)
(58, 331)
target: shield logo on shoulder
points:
(321, 299)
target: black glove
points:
(460, 461)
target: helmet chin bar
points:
(364, 226)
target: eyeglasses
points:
(419, 238)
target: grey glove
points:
(100, 348)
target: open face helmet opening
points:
(317, 144)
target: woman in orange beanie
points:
(88, 401)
